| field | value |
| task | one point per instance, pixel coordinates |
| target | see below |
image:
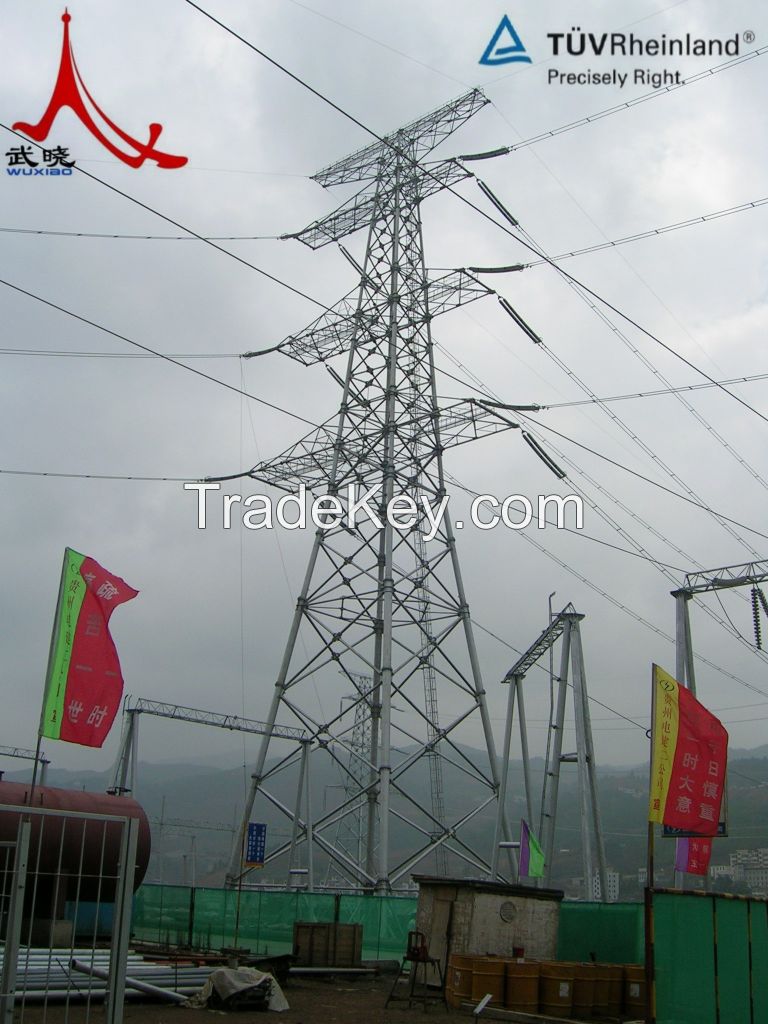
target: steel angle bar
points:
(450, 835)
(197, 716)
(540, 646)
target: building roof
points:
(486, 885)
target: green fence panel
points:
(612, 932)
(315, 906)
(264, 921)
(758, 917)
(364, 910)
(684, 959)
(398, 917)
(215, 917)
(161, 914)
(386, 921)
(732, 928)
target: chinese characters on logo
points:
(28, 160)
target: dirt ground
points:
(315, 1001)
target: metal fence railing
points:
(66, 894)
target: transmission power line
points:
(659, 565)
(666, 229)
(651, 394)
(153, 352)
(140, 238)
(634, 437)
(175, 223)
(689, 222)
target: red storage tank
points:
(83, 854)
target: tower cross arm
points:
(417, 138)
(331, 333)
(454, 289)
(360, 209)
(469, 420)
(543, 642)
(334, 332)
(319, 461)
(746, 574)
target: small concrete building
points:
(480, 917)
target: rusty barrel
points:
(556, 989)
(522, 986)
(615, 974)
(488, 975)
(634, 990)
(583, 990)
(602, 990)
(458, 980)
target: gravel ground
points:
(316, 1001)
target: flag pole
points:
(49, 671)
(34, 770)
(650, 993)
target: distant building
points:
(733, 871)
(757, 880)
(750, 858)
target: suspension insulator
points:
(756, 595)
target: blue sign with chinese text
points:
(255, 845)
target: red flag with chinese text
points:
(692, 855)
(689, 757)
(84, 684)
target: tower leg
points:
(501, 802)
(524, 749)
(556, 753)
(582, 713)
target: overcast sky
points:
(211, 620)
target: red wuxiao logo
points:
(71, 91)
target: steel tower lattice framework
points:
(351, 829)
(377, 600)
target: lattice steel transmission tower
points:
(377, 600)
(351, 829)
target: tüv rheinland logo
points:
(505, 47)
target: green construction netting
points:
(758, 919)
(613, 932)
(209, 918)
(386, 923)
(732, 927)
(710, 952)
(161, 913)
(684, 960)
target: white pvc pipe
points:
(140, 986)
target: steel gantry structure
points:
(564, 625)
(383, 601)
(29, 755)
(746, 574)
(703, 581)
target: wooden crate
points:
(327, 944)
